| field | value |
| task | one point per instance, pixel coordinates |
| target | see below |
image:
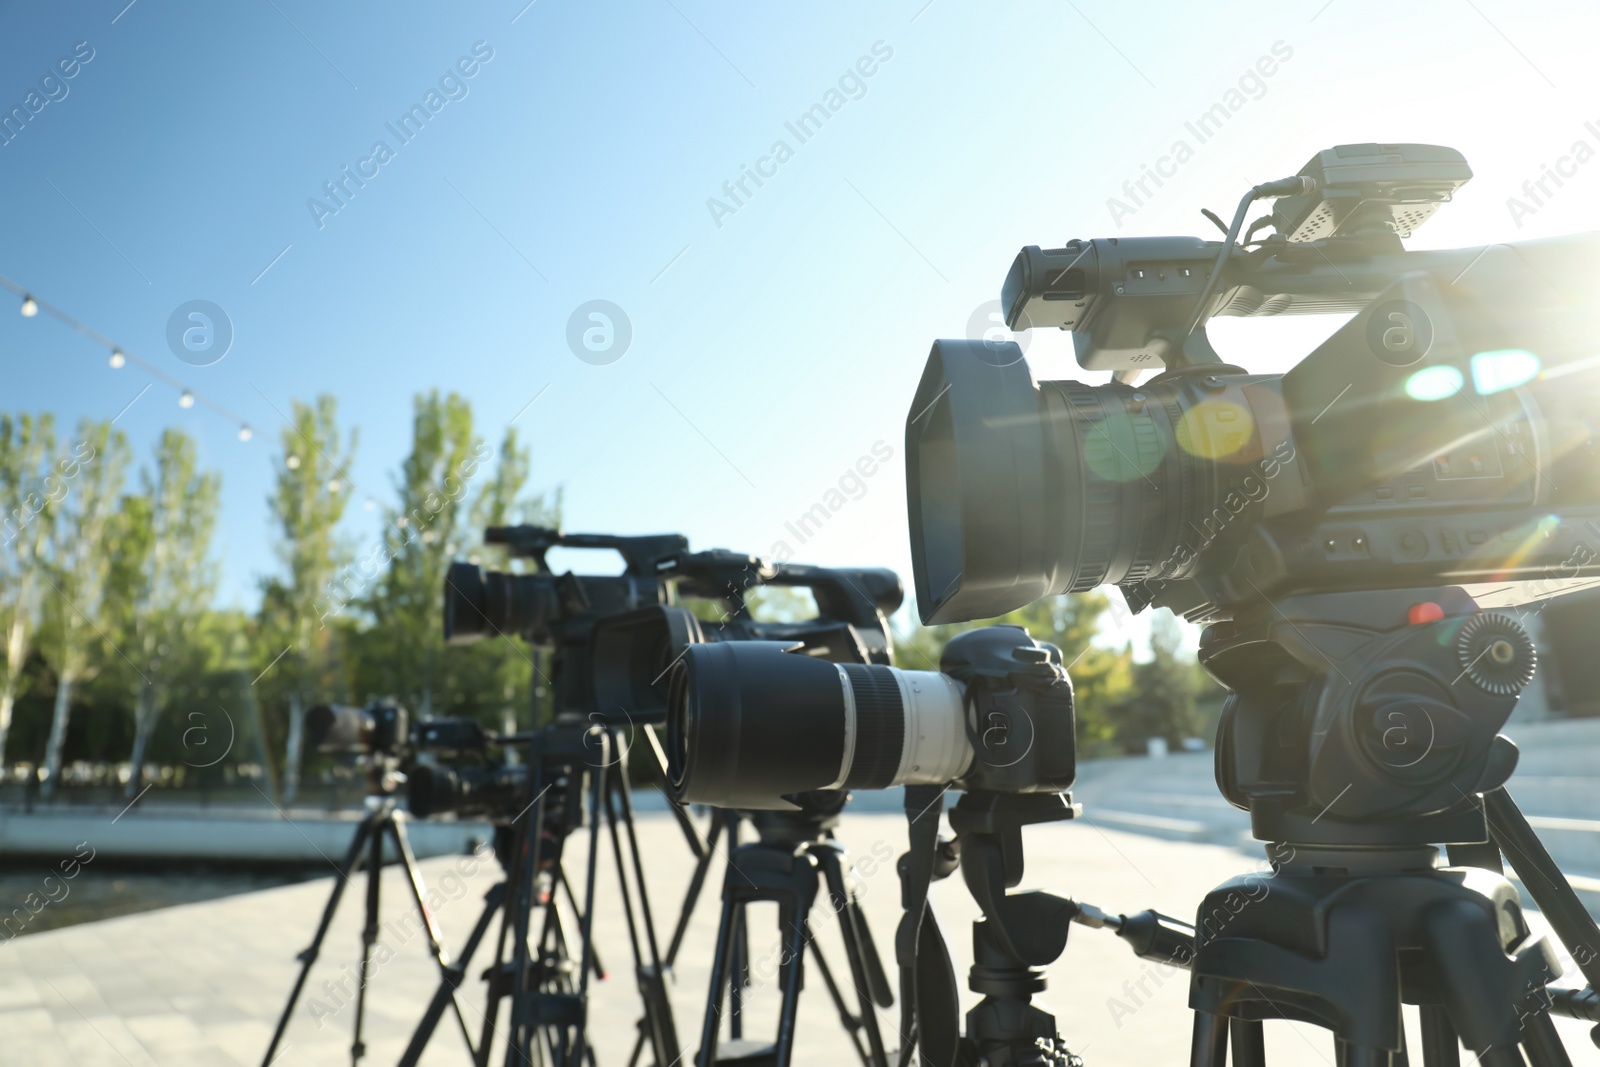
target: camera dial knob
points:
(1496, 654)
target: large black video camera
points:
(615, 636)
(1446, 433)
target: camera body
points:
(633, 653)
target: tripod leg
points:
(721, 963)
(572, 899)
(369, 937)
(1440, 1046)
(454, 974)
(852, 1024)
(430, 922)
(1349, 1055)
(739, 981)
(791, 969)
(1545, 883)
(352, 860)
(597, 775)
(854, 950)
(1249, 1043)
(1542, 1042)
(657, 1021)
(702, 867)
(1210, 1045)
(529, 848)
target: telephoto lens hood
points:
(976, 483)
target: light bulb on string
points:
(293, 462)
(117, 359)
(30, 307)
(186, 399)
(245, 433)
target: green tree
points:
(77, 569)
(29, 489)
(169, 532)
(295, 648)
(1163, 701)
(421, 534)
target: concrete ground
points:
(203, 983)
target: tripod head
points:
(1367, 718)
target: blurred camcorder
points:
(379, 729)
(455, 775)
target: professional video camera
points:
(377, 730)
(1442, 434)
(612, 638)
(1322, 521)
(454, 773)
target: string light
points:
(120, 356)
(293, 462)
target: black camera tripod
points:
(1361, 732)
(381, 820)
(544, 967)
(794, 852)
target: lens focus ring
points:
(880, 726)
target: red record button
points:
(1427, 611)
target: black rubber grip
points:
(880, 726)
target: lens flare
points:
(1113, 453)
(1435, 383)
(1503, 368)
(1215, 429)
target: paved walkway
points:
(203, 983)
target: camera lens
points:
(469, 790)
(750, 723)
(479, 603)
(1019, 491)
(430, 790)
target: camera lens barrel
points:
(750, 723)
(1018, 490)
(471, 790)
(480, 603)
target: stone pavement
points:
(203, 983)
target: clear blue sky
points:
(769, 352)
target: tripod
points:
(793, 852)
(1018, 935)
(543, 967)
(366, 847)
(1360, 733)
